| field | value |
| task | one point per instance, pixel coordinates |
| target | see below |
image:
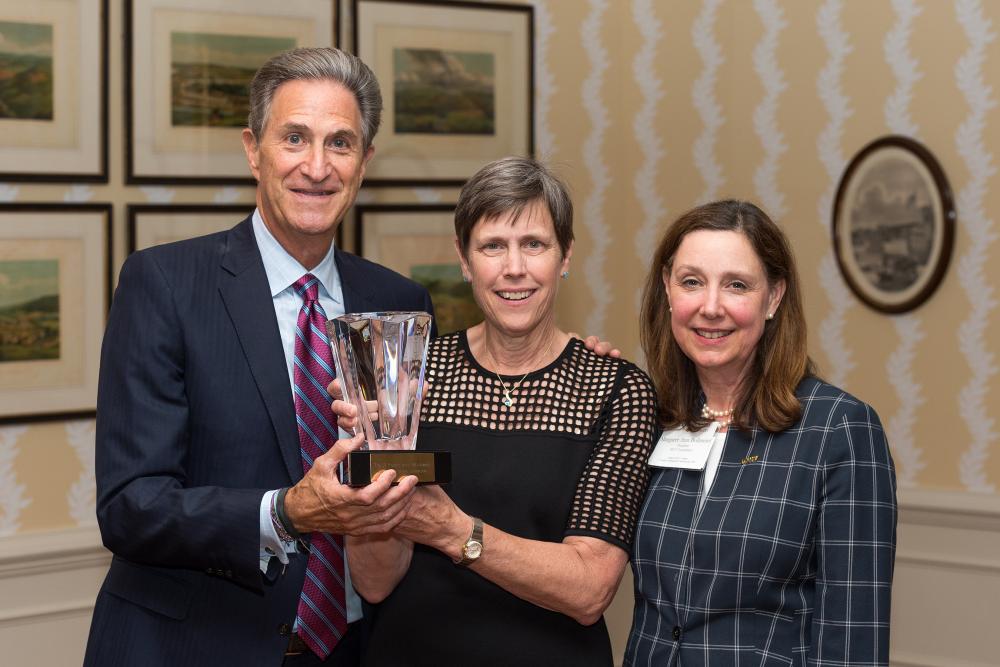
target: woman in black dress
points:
(515, 561)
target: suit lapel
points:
(736, 474)
(246, 295)
(359, 293)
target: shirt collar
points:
(283, 270)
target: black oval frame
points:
(938, 264)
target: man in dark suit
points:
(201, 430)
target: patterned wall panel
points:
(648, 108)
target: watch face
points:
(472, 549)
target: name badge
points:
(679, 448)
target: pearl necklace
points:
(721, 416)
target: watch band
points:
(286, 531)
(473, 547)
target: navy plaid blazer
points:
(790, 560)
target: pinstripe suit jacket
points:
(790, 560)
(195, 421)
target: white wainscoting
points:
(945, 609)
(946, 592)
(48, 584)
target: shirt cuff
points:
(271, 545)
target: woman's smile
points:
(519, 295)
(514, 266)
(713, 334)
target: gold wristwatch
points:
(473, 547)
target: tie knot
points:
(307, 287)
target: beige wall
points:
(736, 90)
(650, 107)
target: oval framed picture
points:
(893, 224)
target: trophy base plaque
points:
(428, 467)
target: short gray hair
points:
(507, 186)
(316, 64)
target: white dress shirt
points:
(282, 271)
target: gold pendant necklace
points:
(507, 400)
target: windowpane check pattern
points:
(789, 561)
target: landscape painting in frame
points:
(26, 70)
(894, 222)
(211, 73)
(29, 310)
(53, 91)
(461, 86)
(54, 293)
(443, 92)
(189, 64)
(418, 242)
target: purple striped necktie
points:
(322, 615)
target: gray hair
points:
(314, 64)
(507, 186)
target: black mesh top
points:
(579, 395)
(567, 457)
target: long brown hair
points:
(766, 397)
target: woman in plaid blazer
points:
(769, 537)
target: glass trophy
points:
(380, 361)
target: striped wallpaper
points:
(648, 108)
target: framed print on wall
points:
(53, 91)
(153, 224)
(55, 282)
(188, 65)
(418, 241)
(893, 224)
(457, 86)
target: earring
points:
(670, 308)
(769, 316)
(465, 279)
(565, 275)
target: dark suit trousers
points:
(346, 654)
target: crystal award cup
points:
(380, 364)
